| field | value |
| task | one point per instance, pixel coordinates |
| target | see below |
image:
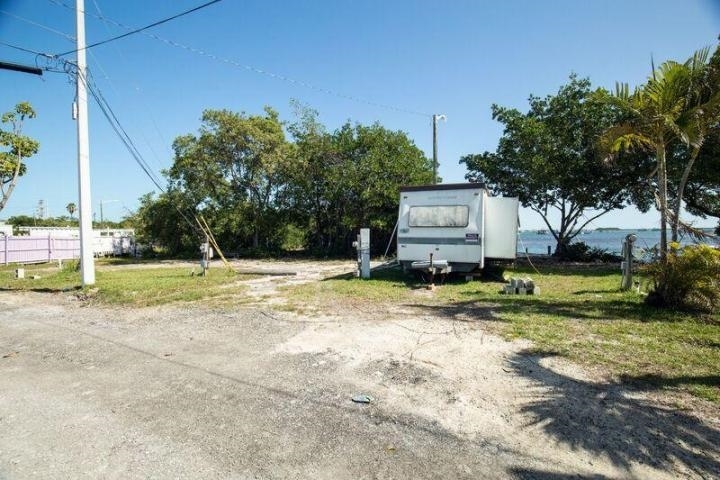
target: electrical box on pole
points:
(363, 253)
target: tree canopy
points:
(16, 148)
(550, 159)
(669, 119)
(256, 187)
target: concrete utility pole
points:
(87, 259)
(435, 161)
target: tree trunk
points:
(680, 193)
(11, 186)
(662, 194)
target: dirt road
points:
(190, 392)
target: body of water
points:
(610, 240)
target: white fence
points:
(38, 249)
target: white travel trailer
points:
(455, 228)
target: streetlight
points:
(436, 117)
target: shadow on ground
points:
(603, 418)
(528, 474)
(506, 306)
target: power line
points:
(138, 30)
(254, 69)
(122, 134)
(22, 49)
(137, 88)
(97, 62)
(40, 25)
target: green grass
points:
(580, 314)
(138, 286)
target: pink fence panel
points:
(37, 249)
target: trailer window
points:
(439, 216)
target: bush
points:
(582, 252)
(689, 280)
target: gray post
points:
(365, 252)
(435, 119)
(435, 165)
(626, 265)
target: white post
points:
(87, 261)
(365, 252)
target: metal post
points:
(365, 252)
(435, 149)
(87, 261)
(435, 119)
(627, 266)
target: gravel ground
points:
(254, 393)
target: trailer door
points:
(501, 227)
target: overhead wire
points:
(105, 74)
(122, 134)
(261, 71)
(138, 30)
(95, 60)
(149, 113)
(23, 49)
(39, 25)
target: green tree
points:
(233, 172)
(673, 106)
(349, 179)
(17, 147)
(550, 159)
(164, 223)
(702, 194)
(71, 208)
(699, 122)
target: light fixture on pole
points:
(436, 117)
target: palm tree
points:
(659, 112)
(71, 208)
(702, 114)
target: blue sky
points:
(454, 57)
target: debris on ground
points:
(362, 398)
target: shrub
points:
(582, 252)
(690, 279)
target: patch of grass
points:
(580, 314)
(348, 291)
(142, 286)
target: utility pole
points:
(87, 259)
(436, 117)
